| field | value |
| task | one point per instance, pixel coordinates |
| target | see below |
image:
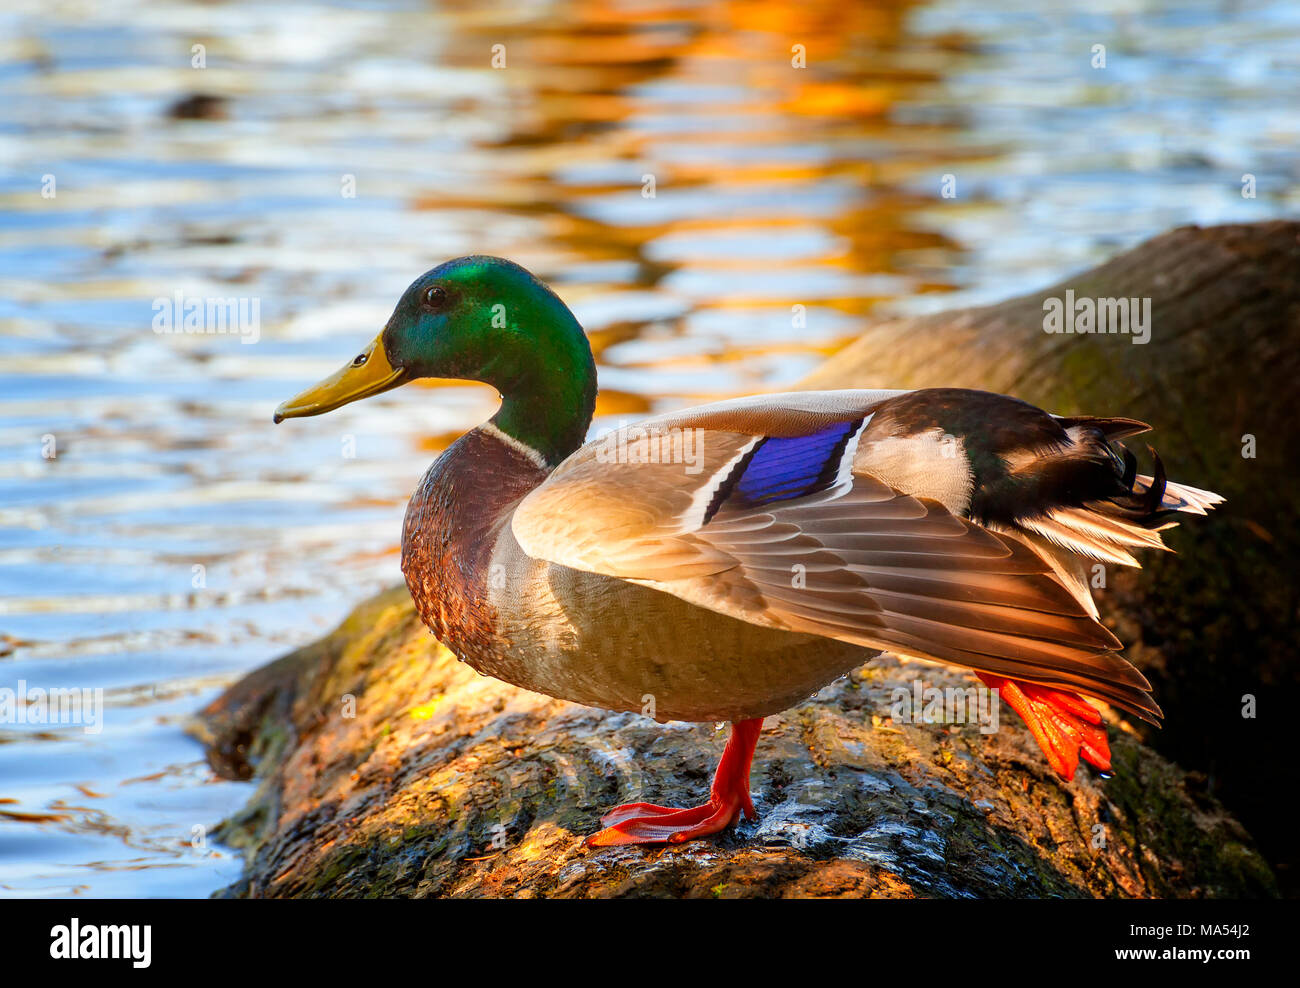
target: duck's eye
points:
(435, 297)
(360, 359)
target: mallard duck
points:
(726, 562)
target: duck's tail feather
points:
(1132, 517)
(1180, 497)
(1111, 427)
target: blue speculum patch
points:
(781, 469)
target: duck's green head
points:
(479, 319)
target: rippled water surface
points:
(159, 537)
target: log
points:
(387, 768)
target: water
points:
(774, 186)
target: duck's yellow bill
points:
(369, 374)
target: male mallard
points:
(728, 561)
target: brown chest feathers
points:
(452, 524)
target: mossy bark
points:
(387, 768)
(445, 783)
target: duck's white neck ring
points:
(536, 458)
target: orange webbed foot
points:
(649, 823)
(1065, 725)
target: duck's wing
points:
(763, 509)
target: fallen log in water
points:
(387, 768)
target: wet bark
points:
(387, 768)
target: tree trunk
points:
(387, 768)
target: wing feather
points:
(854, 560)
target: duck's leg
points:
(1063, 723)
(647, 823)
